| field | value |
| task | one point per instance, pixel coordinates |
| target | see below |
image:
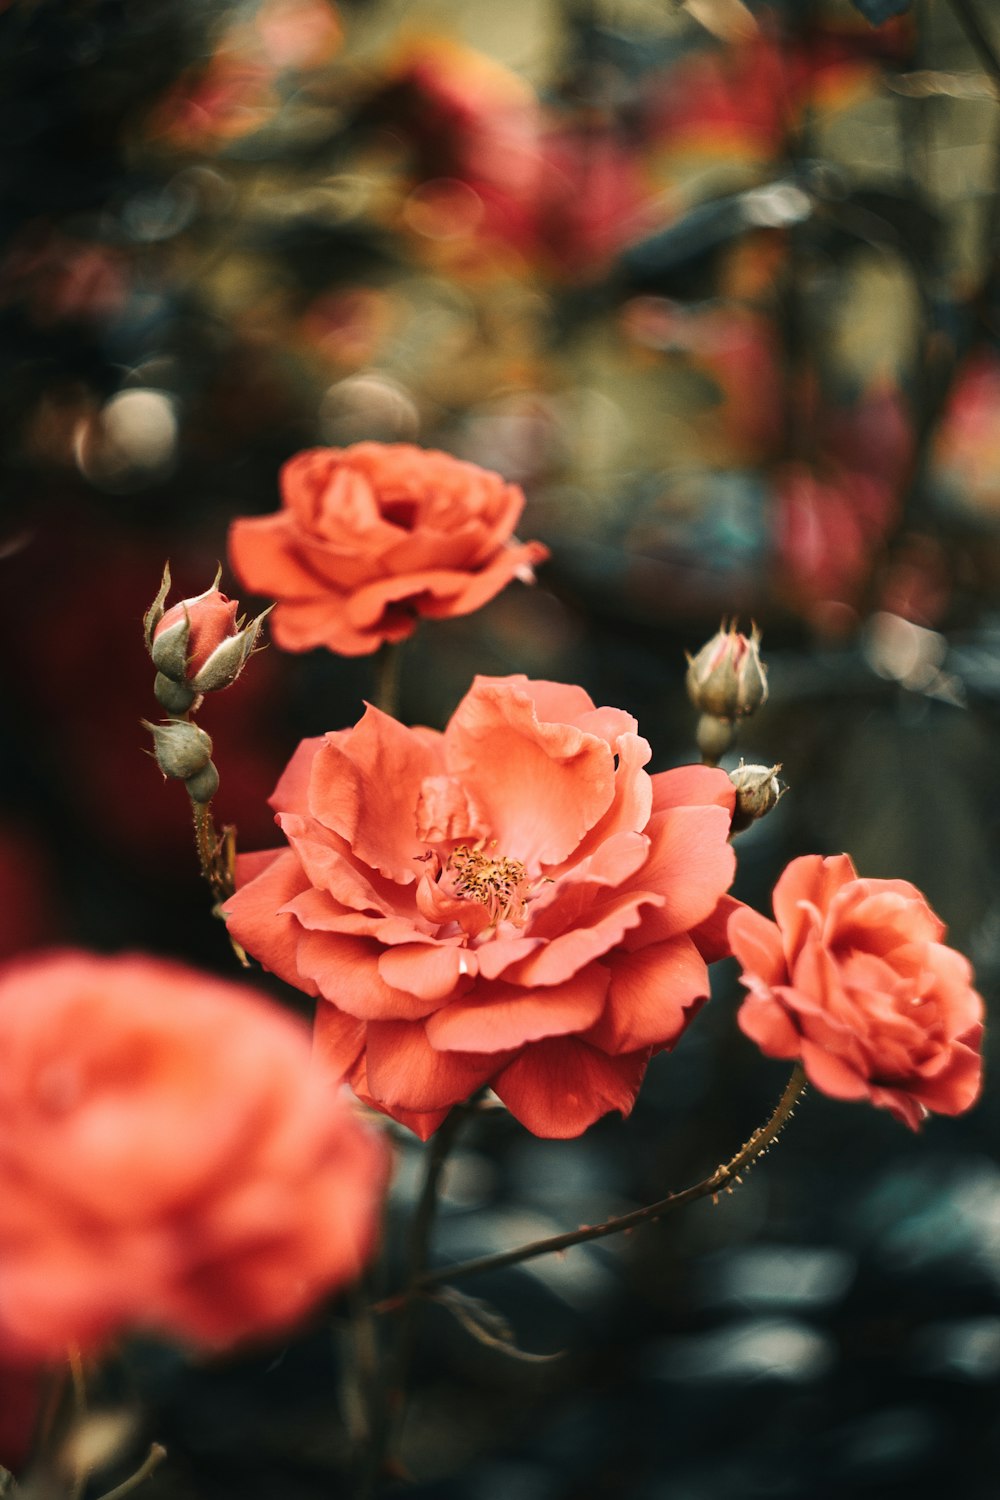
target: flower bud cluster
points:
(726, 681)
(197, 646)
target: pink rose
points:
(204, 622)
(853, 979)
(514, 902)
(170, 1160)
(374, 536)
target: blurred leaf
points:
(488, 1326)
(728, 19)
(878, 11)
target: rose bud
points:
(727, 677)
(757, 791)
(184, 753)
(198, 645)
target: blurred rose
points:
(374, 536)
(966, 451)
(169, 1160)
(852, 978)
(20, 1402)
(828, 530)
(514, 902)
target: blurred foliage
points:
(717, 284)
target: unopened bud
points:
(757, 791)
(203, 785)
(198, 644)
(180, 747)
(727, 677)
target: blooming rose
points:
(514, 902)
(375, 535)
(168, 1159)
(853, 979)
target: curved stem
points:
(157, 1453)
(719, 1181)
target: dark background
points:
(719, 289)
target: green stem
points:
(387, 664)
(720, 1180)
(387, 1402)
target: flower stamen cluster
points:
(497, 884)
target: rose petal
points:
(558, 1087)
(254, 917)
(653, 995)
(405, 1070)
(498, 1017)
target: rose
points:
(169, 1159)
(373, 536)
(514, 902)
(853, 979)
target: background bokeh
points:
(718, 285)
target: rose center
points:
(501, 885)
(404, 513)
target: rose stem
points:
(387, 678)
(389, 1392)
(720, 1180)
(157, 1453)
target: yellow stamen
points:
(498, 884)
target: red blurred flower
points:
(514, 902)
(169, 1159)
(373, 536)
(497, 171)
(852, 978)
(829, 528)
(20, 1403)
(966, 452)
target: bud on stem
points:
(726, 681)
(757, 791)
(184, 753)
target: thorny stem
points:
(387, 1400)
(721, 1180)
(217, 855)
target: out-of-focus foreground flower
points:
(169, 1159)
(852, 978)
(373, 536)
(514, 902)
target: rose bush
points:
(853, 979)
(514, 902)
(374, 536)
(170, 1159)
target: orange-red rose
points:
(514, 902)
(852, 978)
(373, 536)
(169, 1159)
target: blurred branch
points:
(981, 43)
